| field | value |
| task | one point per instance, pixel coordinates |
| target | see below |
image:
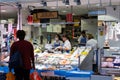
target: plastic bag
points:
(10, 76)
(35, 76)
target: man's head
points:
(21, 34)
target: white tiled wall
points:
(90, 25)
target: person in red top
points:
(27, 53)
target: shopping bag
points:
(10, 76)
(35, 76)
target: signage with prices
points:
(48, 15)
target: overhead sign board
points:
(48, 15)
(97, 12)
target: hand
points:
(60, 48)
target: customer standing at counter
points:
(82, 39)
(66, 45)
(58, 41)
(27, 54)
(92, 42)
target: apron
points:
(83, 41)
(67, 51)
(56, 44)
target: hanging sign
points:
(11, 21)
(35, 16)
(3, 21)
(35, 19)
(44, 25)
(100, 23)
(101, 31)
(47, 15)
(76, 22)
(69, 17)
(30, 19)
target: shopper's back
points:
(26, 50)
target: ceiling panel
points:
(7, 11)
(94, 1)
(60, 6)
(71, 1)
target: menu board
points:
(54, 28)
(50, 28)
(57, 28)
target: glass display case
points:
(110, 62)
(56, 60)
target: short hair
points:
(59, 37)
(65, 35)
(21, 34)
(90, 36)
(83, 32)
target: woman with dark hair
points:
(82, 39)
(57, 42)
(66, 45)
(92, 42)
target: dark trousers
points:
(22, 74)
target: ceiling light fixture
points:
(88, 5)
(73, 14)
(97, 5)
(78, 2)
(44, 3)
(67, 2)
(64, 11)
(31, 8)
(63, 1)
(3, 11)
(53, 7)
(110, 3)
(100, 2)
